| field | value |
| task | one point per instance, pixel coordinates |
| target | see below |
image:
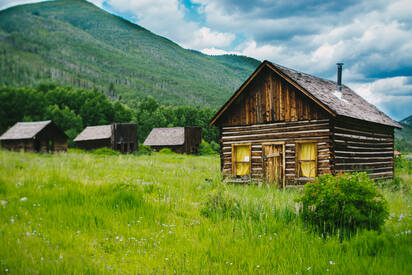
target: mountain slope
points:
(404, 136)
(407, 121)
(75, 43)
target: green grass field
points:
(83, 213)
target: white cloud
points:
(214, 51)
(205, 37)
(167, 18)
(392, 95)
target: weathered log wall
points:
(317, 131)
(363, 146)
(124, 137)
(26, 145)
(270, 98)
(193, 137)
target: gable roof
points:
(322, 92)
(95, 132)
(166, 137)
(25, 130)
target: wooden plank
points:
(362, 138)
(282, 128)
(276, 123)
(286, 134)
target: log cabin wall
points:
(272, 110)
(317, 131)
(124, 137)
(363, 146)
(26, 145)
(193, 137)
(52, 139)
(270, 98)
(94, 144)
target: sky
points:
(372, 37)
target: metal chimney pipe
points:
(340, 64)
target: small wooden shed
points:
(117, 136)
(36, 136)
(288, 127)
(184, 140)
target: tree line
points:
(74, 109)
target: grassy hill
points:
(80, 213)
(74, 43)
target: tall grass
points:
(87, 213)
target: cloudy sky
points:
(372, 37)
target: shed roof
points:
(25, 130)
(323, 92)
(166, 136)
(95, 132)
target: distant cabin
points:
(117, 136)
(288, 127)
(184, 140)
(36, 136)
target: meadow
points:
(84, 213)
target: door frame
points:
(283, 160)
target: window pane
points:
(242, 154)
(307, 151)
(242, 169)
(307, 169)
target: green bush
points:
(215, 146)
(205, 149)
(143, 150)
(166, 151)
(221, 203)
(403, 163)
(343, 204)
(106, 152)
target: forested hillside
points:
(404, 136)
(72, 42)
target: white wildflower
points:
(11, 220)
(308, 268)
(23, 199)
(166, 259)
(401, 216)
(258, 266)
(330, 262)
(3, 202)
(61, 257)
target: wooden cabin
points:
(117, 136)
(44, 136)
(288, 127)
(183, 140)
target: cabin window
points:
(306, 159)
(241, 159)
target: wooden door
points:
(273, 163)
